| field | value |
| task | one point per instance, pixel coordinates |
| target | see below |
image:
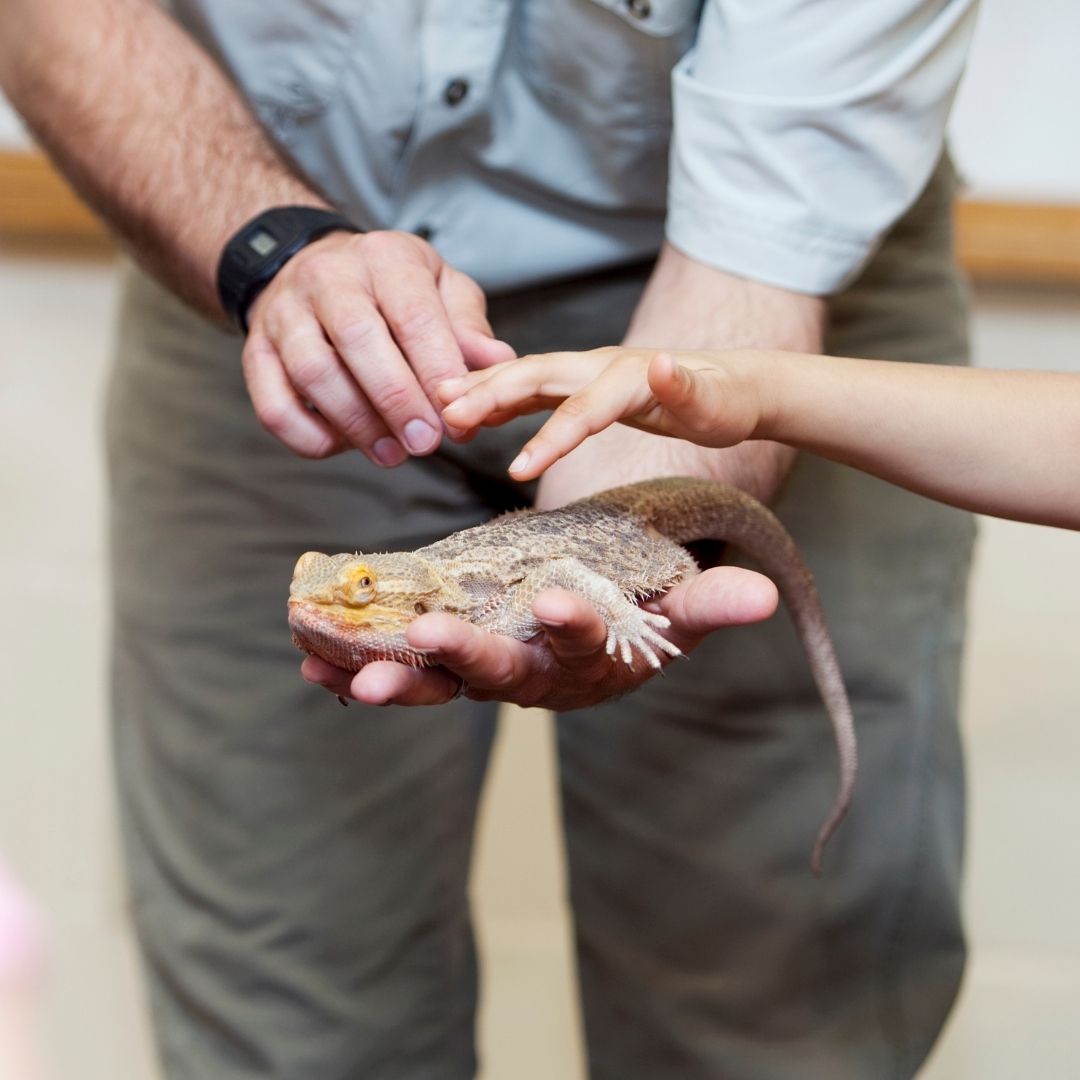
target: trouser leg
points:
(298, 870)
(706, 947)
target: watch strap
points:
(256, 252)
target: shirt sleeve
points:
(805, 128)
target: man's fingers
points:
(409, 300)
(380, 371)
(316, 670)
(280, 408)
(364, 328)
(467, 308)
(387, 683)
(318, 375)
(384, 682)
(576, 632)
(488, 662)
(723, 596)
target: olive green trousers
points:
(299, 871)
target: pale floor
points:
(1020, 1011)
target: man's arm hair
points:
(147, 128)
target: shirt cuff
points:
(795, 181)
(782, 255)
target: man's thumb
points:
(722, 596)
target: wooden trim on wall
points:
(995, 241)
(38, 207)
(1006, 241)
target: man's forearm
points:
(687, 305)
(147, 128)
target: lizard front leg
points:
(628, 626)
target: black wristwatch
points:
(263, 246)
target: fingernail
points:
(454, 406)
(519, 463)
(449, 388)
(389, 451)
(420, 436)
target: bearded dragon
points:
(616, 549)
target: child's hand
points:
(712, 399)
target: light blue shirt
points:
(532, 138)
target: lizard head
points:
(352, 609)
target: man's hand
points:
(350, 337)
(362, 328)
(565, 667)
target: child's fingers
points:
(602, 403)
(495, 419)
(450, 389)
(509, 393)
(505, 387)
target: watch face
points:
(262, 243)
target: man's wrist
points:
(689, 305)
(621, 455)
(254, 255)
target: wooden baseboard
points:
(995, 241)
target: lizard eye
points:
(355, 586)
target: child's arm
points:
(1000, 442)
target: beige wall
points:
(1014, 127)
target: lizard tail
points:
(767, 542)
(686, 509)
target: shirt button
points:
(455, 91)
(640, 9)
(425, 232)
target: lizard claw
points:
(635, 631)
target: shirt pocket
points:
(606, 63)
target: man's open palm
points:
(564, 667)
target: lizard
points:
(617, 549)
